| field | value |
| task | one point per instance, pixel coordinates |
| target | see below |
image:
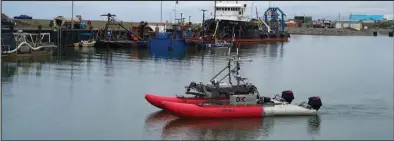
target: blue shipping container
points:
(366, 17)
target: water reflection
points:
(191, 52)
(314, 125)
(154, 123)
(215, 129)
(10, 68)
(224, 129)
(270, 49)
(178, 53)
(137, 53)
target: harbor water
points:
(99, 94)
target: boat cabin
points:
(231, 11)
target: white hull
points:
(285, 109)
(85, 44)
(288, 110)
(275, 107)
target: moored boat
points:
(85, 43)
(87, 40)
(230, 17)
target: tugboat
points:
(229, 16)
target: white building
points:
(389, 17)
(358, 25)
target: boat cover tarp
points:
(86, 34)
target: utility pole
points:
(175, 8)
(339, 16)
(72, 14)
(161, 11)
(189, 19)
(214, 12)
(203, 19)
(181, 17)
(251, 11)
(174, 15)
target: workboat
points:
(231, 16)
(245, 106)
(218, 99)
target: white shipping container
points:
(357, 26)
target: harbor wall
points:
(336, 31)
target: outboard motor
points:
(266, 99)
(263, 100)
(315, 102)
(288, 96)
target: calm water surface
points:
(98, 94)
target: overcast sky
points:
(150, 10)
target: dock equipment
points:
(274, 20)
(113, 25)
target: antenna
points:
(229, 52)
(214, 13)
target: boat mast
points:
(257, 14)
(72, 14)
(214, 12)
(251, 11)
(175, 10)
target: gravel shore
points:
(336, 31)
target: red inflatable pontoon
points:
(219, 111)
(157, 100)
